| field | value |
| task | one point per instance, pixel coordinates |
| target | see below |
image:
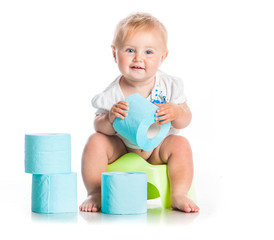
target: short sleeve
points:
(100, 103)
(172, 87)
(104, 101)
(177, 95)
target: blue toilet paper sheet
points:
(47, 153)
(140, 127)
(124, 193)
(54, 193)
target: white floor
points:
(219, 218)
(155, 215)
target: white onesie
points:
(166, 89)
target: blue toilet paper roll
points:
(124, 193)
(47, 153)
(54, 193)
(140, 127)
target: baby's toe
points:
(82, 207)
(89, 208)
(194, 208)
(86, 207)
(187, 208)
(94, 209)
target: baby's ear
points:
(164, 56)
(114, 53)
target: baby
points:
(139, 48)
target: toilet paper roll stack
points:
(54, 186)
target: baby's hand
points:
(117, 110)
(166, 112)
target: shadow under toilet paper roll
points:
(54, 193)
(47, 153)
(140, 127)
(124, 193)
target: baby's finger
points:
(120, 111)
(163, 121)
(161, 112)
(122, 105)
(161, 118)
(119, 115)
(162, 107)
(159, 104)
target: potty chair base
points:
(157, 176)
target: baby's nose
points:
(138, 57)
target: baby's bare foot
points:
(183, 203)
(92, 203)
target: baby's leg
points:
(176, 152)
(98, 152)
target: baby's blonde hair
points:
(138, 22)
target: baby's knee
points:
(178, 142)
(97, 140)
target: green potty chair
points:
(157, 176)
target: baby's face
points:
(140, 56)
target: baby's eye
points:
(129, 50)
(148, 52)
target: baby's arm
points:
(103, 122)
(178, 114)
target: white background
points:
(55, 56)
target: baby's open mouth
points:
(137, 67)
